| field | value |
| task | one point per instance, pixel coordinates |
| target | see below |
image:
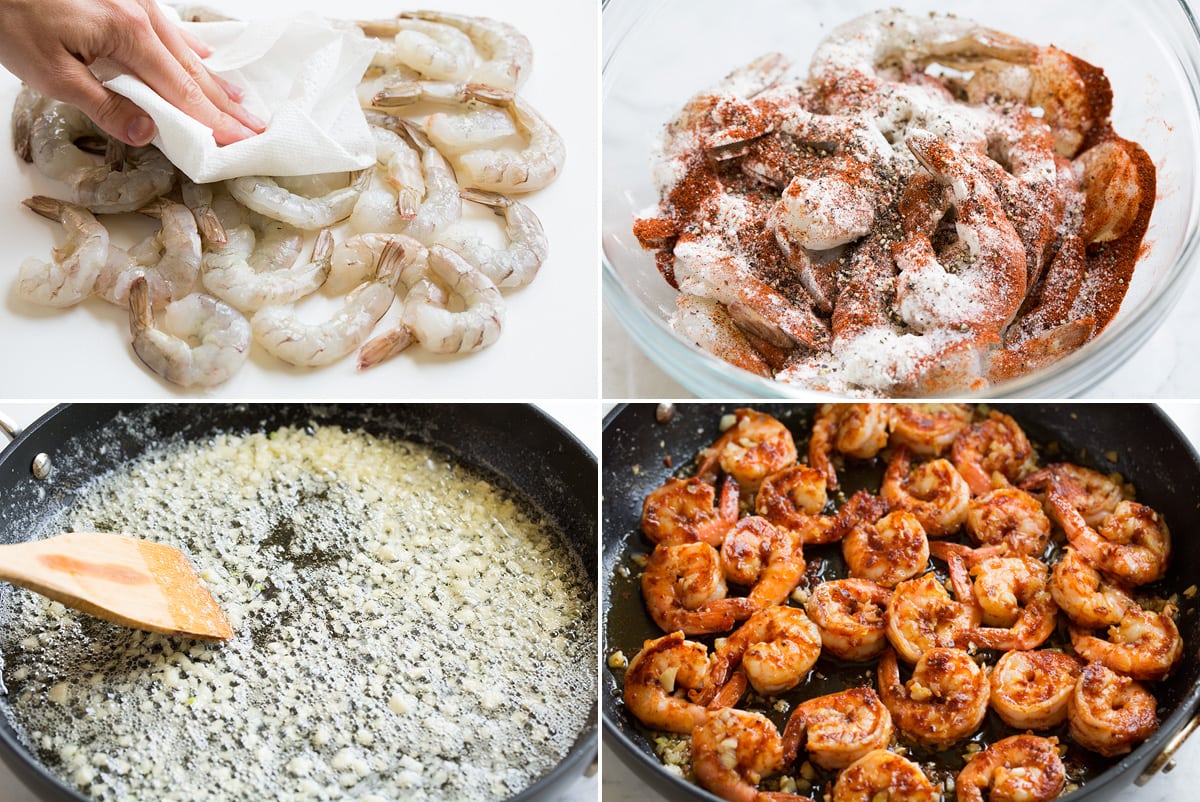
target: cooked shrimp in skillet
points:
(765, 559)
(888, 551)
(944, 701)
(684, 589)
(655, 676)
(993, 446)
(776, 647)
(1109, 713)
(755, 446)
(1131, 546)
(928, 429)
(682, 511)
(933, 491)
(1087, 598)
(733, 750)
(884, 775)
(1030, 690)
(1020, 767)
(856, 430)
(1144, 645)
(786, 498)
(1090, 492)
(850, 616)
(837, 729)
(1009, 517)
(922, 615)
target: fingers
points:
(116, 115)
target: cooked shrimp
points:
(1109, 713)
(766, 559)
(944, 701)
(516, 264)
(1084, 595)
(776, 647)
(1131, 546)
(927, 429)
(442, 331)
(1144, 645)
(1030, 690)
(203, 342)
(655, 677)
(684, 589)
(884, 775)
(1020, 767)
(1011, 518)
(434, 50)
(932, 491)
(837, 729)
(68, 277)
(790, 498)
(506, 52)
(922, 615)
(732, 750)
(682, 511)
(856, 430)
(850, 615)
(1090, 492)
(229, 275)
(888, 551)
(993, 450)
(265, 196)
(755, 446)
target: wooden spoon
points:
(121, 579)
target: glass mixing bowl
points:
(658, 53)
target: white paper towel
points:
(299, 74)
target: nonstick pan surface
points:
(640, 453)
(517, 446)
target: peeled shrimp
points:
(1109, 713)
(755, 446)
(199, 198)
(856, 430)
(1008, 517)
(656, 674)
(68, 278)
(1020, 767)
(682, 511)
(928, 430)
(888, 551)
(441, 206)
(776, 647)
(837, 729)
(791, 497)
(932, 491)
(1084, 595)
(481, 127)
(229, 275)
(356, 259)
(1030, 690)
(884, 773)
(516, 264)
(850, 616)
(203, 342)
(402, 172)
(1090, 492)
(921, 615)
(506, 53)
(1144, 645)
(732, 750)
(995, 447)
(442, 331)
(169, 259)
(1131, 546)
(943, 703)
(265, 196)
(435, 50)
(684, 589)
(25, 110)
(760, 556)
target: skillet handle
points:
(9, 427)
(1164, 761)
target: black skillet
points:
(517, 445)
(639, 453)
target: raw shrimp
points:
(993, 453)
(199, 198)
(1020, 767)
(1113, 186)
(402, 172)
(682, 511)
(709, 325)
(837, 729)
(435, 50)
(68, 277)
(933, 491)
(1084, 595)
(888, 551)
(732, 750)
(1131, 546)
(480, 127)
(1109, 712)
(176, 246)
(944, 702)
(119, 273)
(203, 342)
(1031, 690)
(356, 259)
(884, 775)
(1090, 492)
(832, 207)
(1011, 518)
(516, 264)
(856, 430)
(768, 560)
(921, 615)
(26, 108)
(506, 54)
(755, 446)
(229, 276)
(684, 589)
(928, 430)
(1144, 645)
(655, 674)
(435, 326)
(280, 331)
(776, 647)
(850, 616)
(441, 206)
(264, 195)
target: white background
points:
(550, 340)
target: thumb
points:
(117, 116)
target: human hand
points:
(49, 44)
